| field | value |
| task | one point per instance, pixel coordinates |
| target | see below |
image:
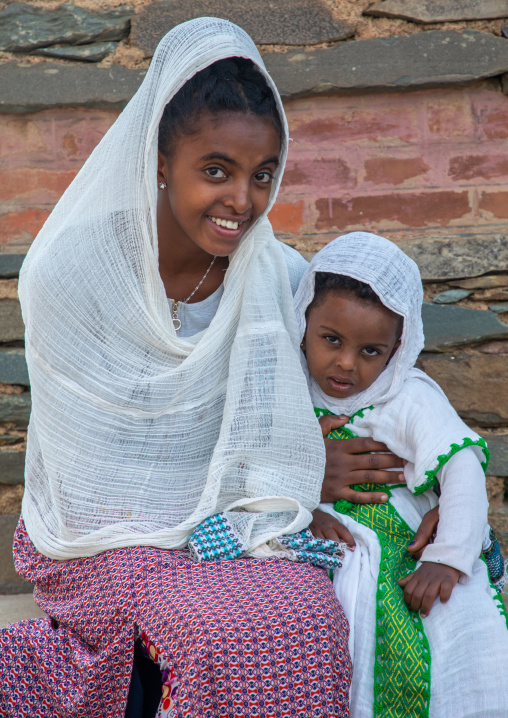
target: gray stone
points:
(427, 59)
(10, 264)
(10, 439)
(39, 87)
(94, 52)
(449, 326)
(12, 467)
(451, 296)
(426, 11)
(11, 323)
(456, 256)
(498, 445)
(15, 408)
(476, 384)
(499, 308)
(268, 22)
(24, 27)
(491, 281)
(17, 608)
(10, 582)
(13, 368)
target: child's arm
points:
(325, 526)
(463, 509)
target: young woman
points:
(163, 354)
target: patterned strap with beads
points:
(402, 656)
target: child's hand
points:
(325, 526)
(423, 586)
(425, 534)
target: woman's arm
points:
(350, 462)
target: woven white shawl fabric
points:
(411, 414)
(137, 435)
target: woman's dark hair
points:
(326, 282)
(230, 85)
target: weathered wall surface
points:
(399, 125)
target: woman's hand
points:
(325, 526)
(347, 464)
(425, 534)
(423, 586)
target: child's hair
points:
(326, 282)
(230, 85)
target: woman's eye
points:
(215, 172)
(264, 177)
(370, 351)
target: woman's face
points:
(218, 183)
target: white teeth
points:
(229, 224)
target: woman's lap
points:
(244, 638)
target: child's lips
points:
(339, 383)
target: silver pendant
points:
(174, 315)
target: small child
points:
(359, 308)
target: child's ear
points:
(302, 344)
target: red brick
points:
(287, 217)
(470, 166)
(389, 170)
(420, 209)
(317, 172)
(493, 123)
(21, 225)
(494, 202)
(356, 125)
(34, 183)
(449, 115)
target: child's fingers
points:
(330, 422)
(341, 534)
(425, 532)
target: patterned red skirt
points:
(244, 638)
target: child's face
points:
(222, 173)
(348, 342)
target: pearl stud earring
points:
(162, 185)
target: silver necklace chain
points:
(177, 323)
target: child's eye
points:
(263, 177)
(332, 339)
(370, 351)
(215, 172)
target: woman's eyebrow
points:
(231, 161)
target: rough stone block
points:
(449, 326)
(13, 368)
(292, 22)
(456, 256)
(491, 281)
(10, 264)
(95, 52)
(426, 11)
(39, 87)
(10, 582)
(15, 408)
(498, 445)
(476, 385)
(428, 59)
(11, 323)
(451, 296)
(498, 308)
(24, 27)
(12, 467)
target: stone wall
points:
(398, 121)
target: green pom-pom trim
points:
(442, 459)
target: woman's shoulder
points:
(296, 265)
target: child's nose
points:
(346, 360)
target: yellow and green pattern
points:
(402, 657)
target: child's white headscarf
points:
(395, 279)
(408, 411)
(137, 434)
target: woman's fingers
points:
(363, 497)
(329, 422)
(425, 533)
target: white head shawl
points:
(410, 412)
(137, 435)
(395, 279)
